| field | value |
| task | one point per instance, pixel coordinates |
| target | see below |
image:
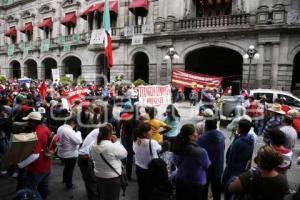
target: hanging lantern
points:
(218, 2)
(210, 2)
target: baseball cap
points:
(33, 116)
(42, 110)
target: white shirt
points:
(69, 141)
(290, 135)
(142, 152)
(90, 139)
(113, 153)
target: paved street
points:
(58, 191)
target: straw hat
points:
(208, 112)
(293, 113)
(276, 108)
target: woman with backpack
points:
(192, 162)
(107, 154)
(143, 157)
(265, 182)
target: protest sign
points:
(155, 95)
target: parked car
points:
(230, 102)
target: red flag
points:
(108, 52)
(43, 90)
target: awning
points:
(139, 7)
(113, 7)
(28, 28)
(46, 23)
(98, 7)
(87, 12)
(11, 32)
(69, 18)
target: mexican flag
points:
(108, 41)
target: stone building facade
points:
(209, 36)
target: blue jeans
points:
(38, 182)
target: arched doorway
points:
(296, 73)
(15, 69)
(72, 65)
(141, 66)
(49, 64)
(102, 70)
(30, 69)
(216, 61)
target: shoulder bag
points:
(122, 176)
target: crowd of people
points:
(167, 160)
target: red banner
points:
(77, 94)
(191, 79)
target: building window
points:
(29, 36)
(98, 19)
(205, 8)
(47, 33)
(69, 21)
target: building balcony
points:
(225, 21)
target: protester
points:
(156, 124)
(296, 120)
(172, 120)
(213, 141)
(129, 123)
(69, 141)
(167, 157)
(277, 141)
(192, 162)
(239, 155)
(218, 106)
(107, 154)
(274, 122)
(86, 165)
(266, 182)
(207, 114)
(142, 139)
(38, 166)
(289, 132)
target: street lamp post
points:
(251, 54)
(171, 55)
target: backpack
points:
(158, 172)
(51, 147)
(253, 193)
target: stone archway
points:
(15, 69)
(49, 64)
(30, 69)
(101, 70)
(216, 61)
(296, 73)
(141, 66)
(72, 65)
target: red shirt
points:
(296, 124)
(42, 164)
(285, 108)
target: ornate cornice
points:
(70, 3)
(27, 14)
(46, 9)
(11, 19)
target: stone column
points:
(159, 61)
(260, 66)
(40, 72)
(59, 26)
(274, 71)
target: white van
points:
(292, 101)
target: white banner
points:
(128, 31)
(155, 95)
(137, 40)
(98, 36)
(55, 74)
(147, 29)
